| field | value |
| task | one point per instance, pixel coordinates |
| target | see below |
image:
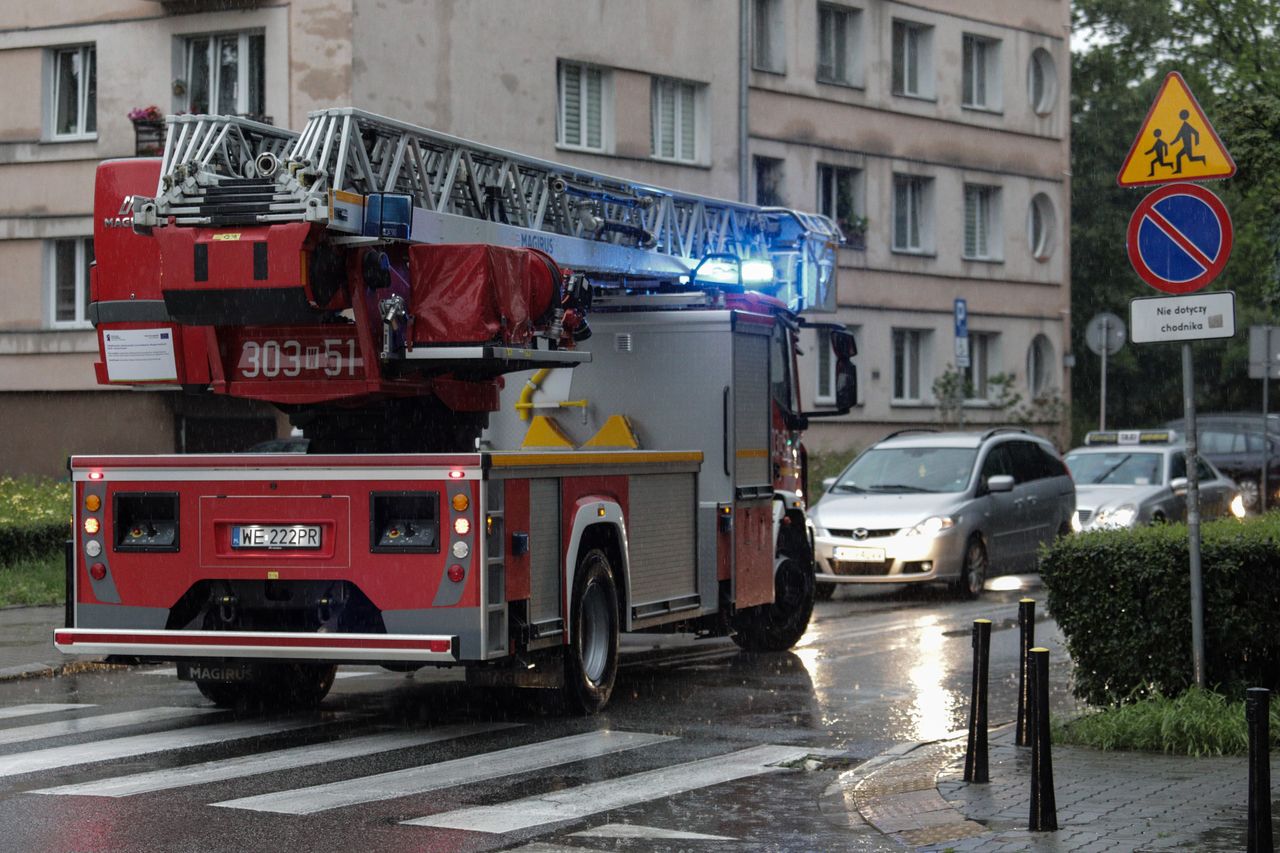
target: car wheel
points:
(1250, 492)
(974, 573)
(824, 591)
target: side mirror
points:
(1179, 485)
(845, 380)
(1000, 483)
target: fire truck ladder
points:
(233, 171)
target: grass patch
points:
(25, 501)
(1197, 723)
(36, 580)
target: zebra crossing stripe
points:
(15, 764)
(596, 797)
(95, 724)
(267, 762)
(28, 710)
(446, 774)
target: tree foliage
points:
(1227, 52)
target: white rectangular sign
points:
(1194, 317)
(139, 355)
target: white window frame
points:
(839, 37)
(980, 80)
(86, 92)
(830, 179)
(1042, 224)
(984, 351)
(82, 257)
(981, 223)
(912, 59)
(582, 143)
(768, 37)
(912, 214)
(244, 69)
(684, 93)
(910, 349)
(1042, 75)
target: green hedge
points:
(34, 517)
(1123, 602)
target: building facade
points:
(936, 132)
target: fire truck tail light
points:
(456, 573)
(461, 526)
(460, 502)
(456, 475)
(98, 571)
(93, 503)
(95, 475)
(441, 646)
(91, 526)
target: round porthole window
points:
(1042, 226)
(1042, 81)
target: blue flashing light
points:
(756, 273)
(730, 271)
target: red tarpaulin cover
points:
(476, 293)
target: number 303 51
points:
(269, 359)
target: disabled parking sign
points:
(1179, 238)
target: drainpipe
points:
(744, 76)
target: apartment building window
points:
(908, 353)
(838, 197)
(838, 38)
(225, 74)
(767, 42)
(675, 106)
(73, 90)
(768, 171)
(912, 59)
(69, 262)
(981, 75)
(1041, 226)
(981, 222)
(1042, 81)
(982, 350)
(824, 391)
(911, 223)
(583, 106)
(1040, 366)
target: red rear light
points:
(95, 475)
(456, 475)
(456, 574)
(98, 571)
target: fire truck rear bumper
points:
(349, 648)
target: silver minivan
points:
(921, 506)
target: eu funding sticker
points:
(1195, 317)
(139, 355)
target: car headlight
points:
(1237, 506)
(1120, 516)
(932, 526)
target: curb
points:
(44, 670)
(897, 793)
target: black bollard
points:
(1257, 712)
(1027, 632)
(975, 757)
(1044, 810)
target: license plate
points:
(859, 555)
(275, 536)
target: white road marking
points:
(629, 830)
(267, 762)
(98, 723)
(16, 764)
(28, 710)
(596, 797)
(446, 774)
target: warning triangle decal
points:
(1176, 142)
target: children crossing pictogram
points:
(1176, 142)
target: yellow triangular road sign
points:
(1176, 142)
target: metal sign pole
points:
(1266, 445)
(1193, 518)
(1102, 411)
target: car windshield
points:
(1115, 468)
(909, 469)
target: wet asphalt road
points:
(699, 738)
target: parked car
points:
(1124, 479)
(1234, 443)
(921, 506)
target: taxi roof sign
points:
(1128, 438)
(1176, 142)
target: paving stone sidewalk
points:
(1107, 801)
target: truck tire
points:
(778, 626)
(591, 658)
(287, 685)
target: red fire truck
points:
(542, 406)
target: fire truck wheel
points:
(303, 685)
(778, 626)
(225, 695)
(591, 658)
